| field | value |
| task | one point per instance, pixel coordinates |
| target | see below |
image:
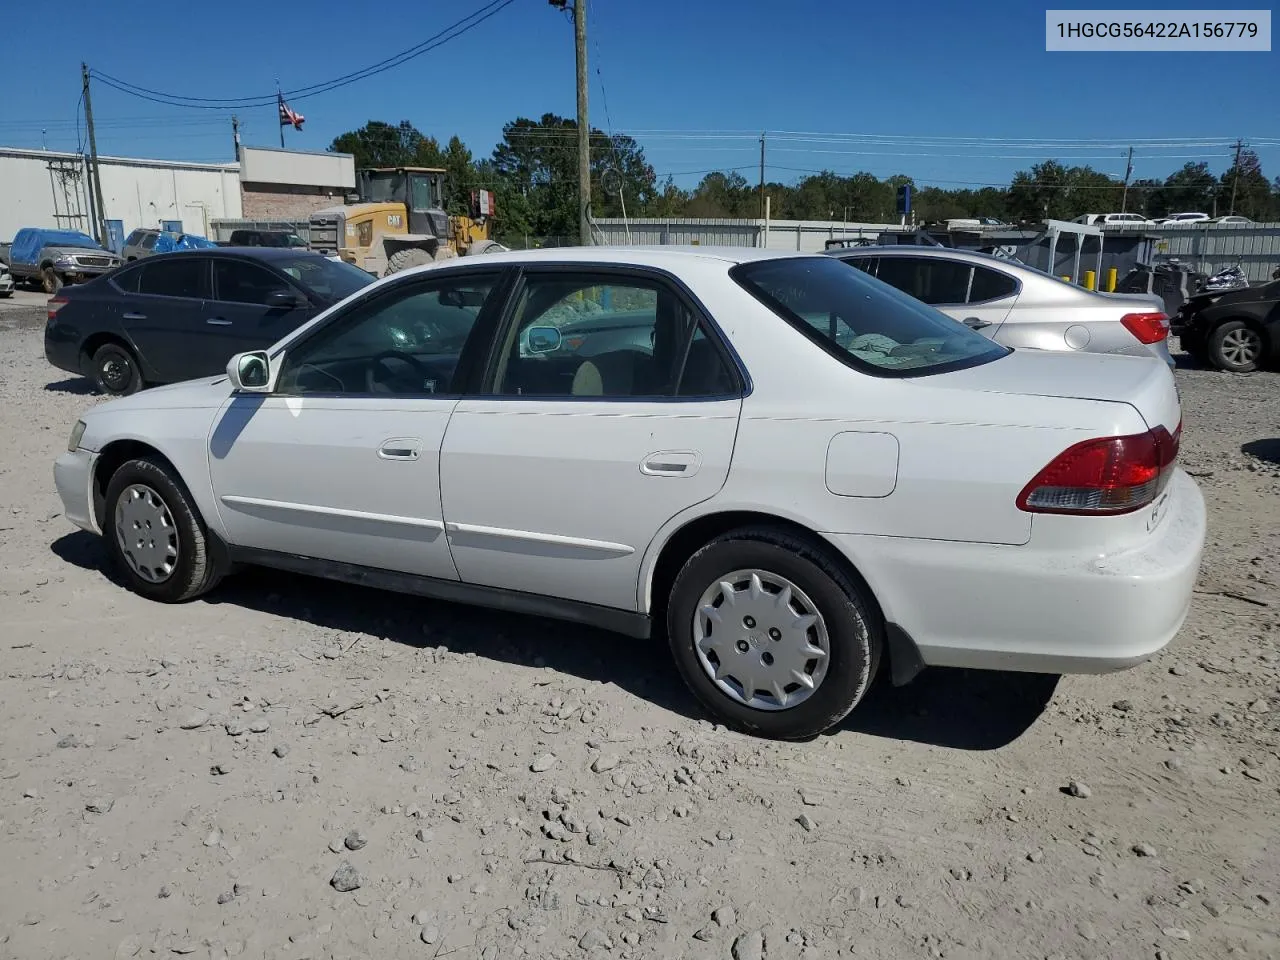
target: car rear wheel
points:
(1236, 346)
(115, 370)
(154, 535)
(770, 635)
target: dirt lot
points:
(195, 780)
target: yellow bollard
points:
(1089, 278)
(1111, 280)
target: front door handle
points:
(670, 463)
(975, 323)
(218, 322)
(400, 448)
(135, 316)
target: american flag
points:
(289, 116)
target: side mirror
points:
(250, 372)
(282, 298)
(544, 339)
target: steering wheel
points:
(375, 384)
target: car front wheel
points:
(155, 536)
(771, 635)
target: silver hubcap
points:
(146, 533)
(761, 640)
(115, 373)
(1241, 346)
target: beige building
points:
(292, 184)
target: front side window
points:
(862, 321)
(240, 282)
(927, 278)
(406, 342)
(584, 335)
(149, 240)
(178, 276)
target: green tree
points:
(379, 144)
(1253, 197)
(1190, 189)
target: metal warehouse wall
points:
(1211, 247)
(41, 188)
(809, 236)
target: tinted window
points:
(865, 264)
(591, 336)
(928, 279)
(861, 320)
(149, 240)
(133, 238)
(331, 280)
(406, 342)
(990, 285)
(238, 282)
(706, 370)
(127, 279)
(180, 276)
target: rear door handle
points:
(670, 463)
(135, 316)
(400, 448)
(974, 323)
(218, 322)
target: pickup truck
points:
(57, 257)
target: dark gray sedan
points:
(178, 316)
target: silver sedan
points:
(1018, 305)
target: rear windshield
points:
(861, 320)
(330, 279)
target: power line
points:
(451, 32)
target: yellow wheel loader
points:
(398, 221)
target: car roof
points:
(655, 255)
(256, 253)
(915, 250)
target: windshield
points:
(861, 320)
(332, 280)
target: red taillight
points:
(1147, 327)
(55, 304)
(1108, 475)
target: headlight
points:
(77, 433)
(65, 261)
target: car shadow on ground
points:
(80, 386)
(1267, 449)
(959, 709)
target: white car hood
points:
(1146, 384)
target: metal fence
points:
(805, 235)
(221, 229)
(1209, 247)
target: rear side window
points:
(862, 321)
(127, 279)
(181, 276)
(926, 278)
(990, 285)
(865, 264)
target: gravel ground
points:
(295, 769)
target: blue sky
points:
(706, 73)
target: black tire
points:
(855, 630)
(50, 280)
(408, 257)
(1236, 346)
(115, 370)
(194, 571)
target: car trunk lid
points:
(1145, 384)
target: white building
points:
(45, 188)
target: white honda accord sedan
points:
(801, 475)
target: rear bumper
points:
(995, 607)
(62, 347)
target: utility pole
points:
(1128, 172)
(584, 126)
(95, 175)
(235, 136)
(1235, 180)
(761, 174)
